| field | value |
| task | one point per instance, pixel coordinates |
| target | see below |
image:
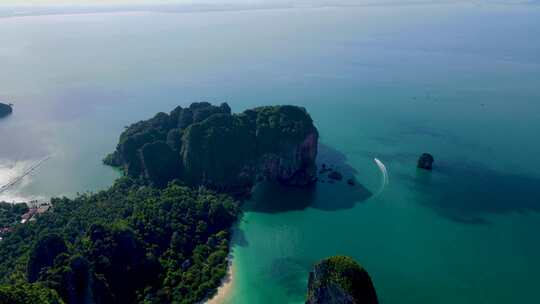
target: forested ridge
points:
(129, 244)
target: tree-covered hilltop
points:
(207, 145)
(5, 110)
(129, 244)
(340, 280)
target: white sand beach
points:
(224, 291)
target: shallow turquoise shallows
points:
(461, 81)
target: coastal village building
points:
(36, 208)
(34, 211)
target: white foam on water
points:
(384, 175)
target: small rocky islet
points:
(340, 280)
(331, 175)
(5, 109)
(425, 161)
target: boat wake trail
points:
(384, 175)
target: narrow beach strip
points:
(227, 284)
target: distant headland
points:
(5, 109)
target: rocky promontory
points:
(205, 144)
(340, 280)
(5, 109)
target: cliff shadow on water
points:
(325, 194)
(469, 192)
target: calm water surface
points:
(460, 81)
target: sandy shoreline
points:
(226, 286)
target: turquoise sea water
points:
(458, 80)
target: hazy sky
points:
(200, 2)
(109, 2)
(220, 2)
(37, 3)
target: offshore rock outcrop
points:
(425, 161)
(5, 110)
(207, 145)
(335, 175)
(340, 280)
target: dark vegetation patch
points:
(128, 244)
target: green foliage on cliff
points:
(343, 271)
(43, 254)
(161, 128)
(279, 126)
(210, 146)
(160, 162)
(340, 277)
(131, 243)
(25, 293)
(215, 150)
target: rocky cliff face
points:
(340, 280)
(207, 145)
